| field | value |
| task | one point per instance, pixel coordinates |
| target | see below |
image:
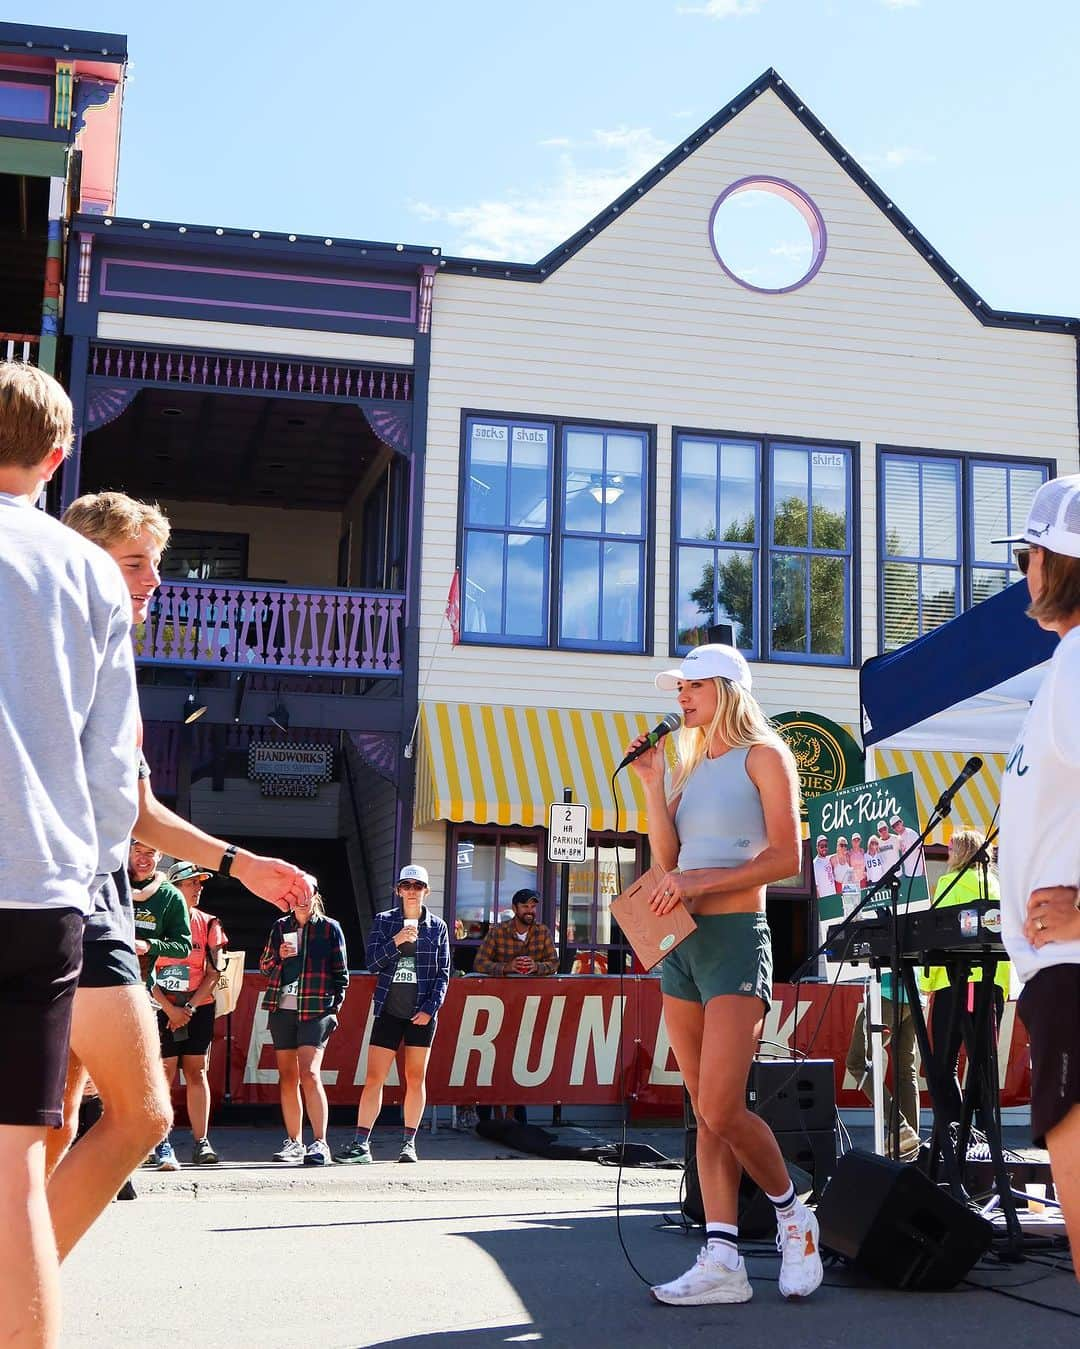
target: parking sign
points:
(568, 828)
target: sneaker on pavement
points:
(318, 1154)
(292, 1151)
(800, 1259)
(408, 1151)
(708, 1281)
(355, 1153)
(203, 1154)
(166, 1158)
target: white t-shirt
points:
(824, 877)
(1040, 809)
(875, 866)
(915, 865)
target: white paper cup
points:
(292, 941)
(412, 924)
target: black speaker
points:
(894, 1224)
(792, 1095)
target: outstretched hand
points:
(278, 882)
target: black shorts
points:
(287, 1031)
(200, 1032)
(1049, 1007)
(40, 956)
(109, 964)
(387, 1032)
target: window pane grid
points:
(956, 563)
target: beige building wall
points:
(297, 547)
(642, 325)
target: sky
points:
(496, 128)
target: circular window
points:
(767, 235)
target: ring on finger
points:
(1040, 924)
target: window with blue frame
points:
(763, 542)
(555, 522)
(938, 516)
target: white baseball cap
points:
(1054, 518)
(712, 661)
(413, 873)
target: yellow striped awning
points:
(933, 771)
(507, 765)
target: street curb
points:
(383, 1179)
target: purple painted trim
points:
(105, 403)
(391, 425)
(42, 89)
(796, 197)
(257, 276)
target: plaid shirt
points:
(324, 971)
(501, 947)
(432, 958)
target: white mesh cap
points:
(1054, 518)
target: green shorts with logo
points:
(729, 953)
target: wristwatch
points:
(188, 1007)
(228, 857)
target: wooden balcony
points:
(247, 626)
(19, 347)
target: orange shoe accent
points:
(809, 1243)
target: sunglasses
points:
(411, 885)
(1022, 557)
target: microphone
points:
(671, 722)
(968, 771)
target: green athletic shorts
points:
(729, 953)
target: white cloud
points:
(722, 9)
(525, 223)
(897, 157)
(788, 249)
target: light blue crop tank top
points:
(719, 818)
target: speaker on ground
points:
(894, 1224)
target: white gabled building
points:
(627, 419)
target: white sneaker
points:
(708, 1281)
(800, 1259)
(292, 1151)
(318, 1154)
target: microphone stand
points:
(890, 881)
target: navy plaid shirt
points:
(324, 975)
(432, 957)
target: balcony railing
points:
(19, 347)
(247, 626)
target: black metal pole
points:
(564, 903)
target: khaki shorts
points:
(729, 953)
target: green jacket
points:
(161, 920)
(966, 890)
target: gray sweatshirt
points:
(68, 713)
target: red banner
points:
(573, 1040)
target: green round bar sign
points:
(828, 756)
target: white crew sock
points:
(723, 1241)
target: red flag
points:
(453, 608)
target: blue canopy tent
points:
(965, 687)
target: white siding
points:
(162, 330)
(642, 325)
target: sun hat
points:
(1054, 517)
(186, 871)
(712, 661)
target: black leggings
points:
(946, 1049)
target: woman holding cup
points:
(408, 947)
(307, 975)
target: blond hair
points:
(317, 906)
(1060, 596)
(738, 721)
(963, 846)
(35, 415)
(109, 518)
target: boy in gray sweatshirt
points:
(68, 800)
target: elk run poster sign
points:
(856, 834)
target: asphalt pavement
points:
(478, 1246)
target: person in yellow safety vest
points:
(965, 888)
